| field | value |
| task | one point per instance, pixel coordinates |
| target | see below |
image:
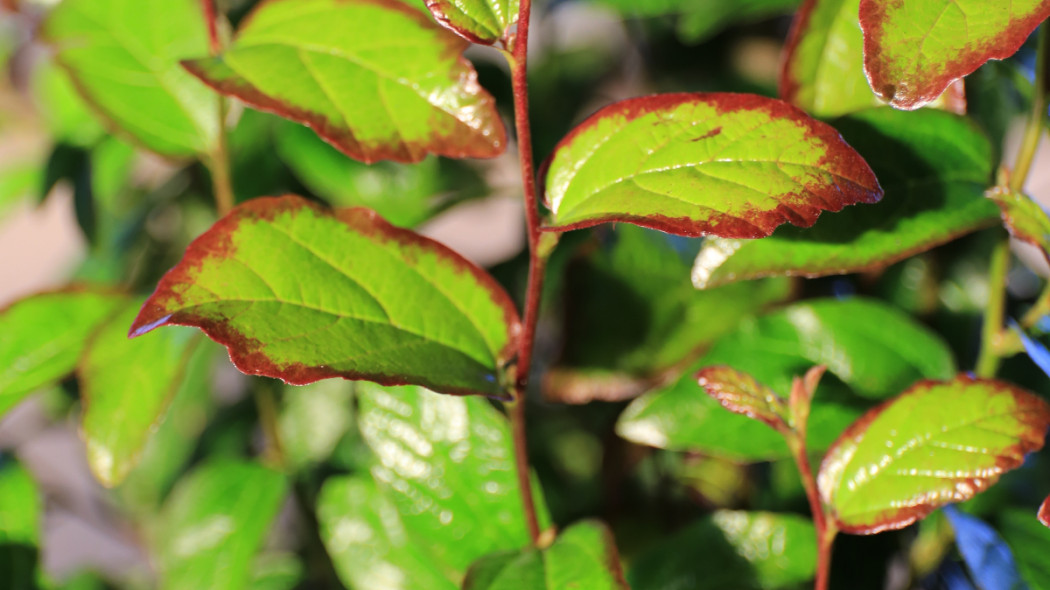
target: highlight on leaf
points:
(728, 165)
(478, 21)
(937, 443)
(741, 393)
(301, 293)
(375, 78)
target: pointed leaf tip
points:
(728, 165)
(741, 393)
(937, 443)
(301, 293)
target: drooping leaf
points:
(302, 293)
(934, 167)
(375, 78)
(42, 336)
(583, 556)
(987, 556)
(741, 393)
(938, 442)
(447, 463)
(123, 57)
(740, 550)
(214, 522)
(368, 543)
(1026, 220)
(821, 71)
(729, 165)
(913, 49)
(1029, 542)
(126, 386)
(21, 515)
(477, 21)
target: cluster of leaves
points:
(662, 360)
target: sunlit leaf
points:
(987, 556)
(42, 336)
(302, 293)
(937, 443)
(21, 517)
(934, 167)
(375, 78)
(447, 463)
(583, 556)
(1025, 218)
(126, 386)
(913, 49)
(729, 165)
(731, 549)
(214, 522)
(478, 21)
(123, 57)
(741, 393)
(368, 543)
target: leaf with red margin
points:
(741, 393)
(937, 443)
(1044, 512)
(303, 293)
(913, 49)
(375, 78)
(477, 21)
(1025, 219)
(821, 71)
(729, 165)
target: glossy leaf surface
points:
(987, 556)
(447, 463)
(21, 517)
(478, 21)
(937, 443)
(214, 522)
(742, 550)
(303, 293)
(123, 56)
(913, 49)
(741, 393)
(126, 387)
(729, 165)
(42, 336)
(377, 79)
(934, 167)
(368, 543)
(583, 556)
(1025, 219)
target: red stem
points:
(213, 27)
(825, 531)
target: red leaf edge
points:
(1044, 512)
(865, 189)
(215, 243)
(437, 9)
(787, 84)
(710, 381)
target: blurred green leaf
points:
(1025, 218)
(276, 571)
(21, 515)
(1029, 541)
(313, 418)
(701, 19)
(67, 116)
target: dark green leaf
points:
(478, 21)
(730, 165)
(583, 556)
(21, 516)
(729, 549)
(302, 293)
(1029, 542)
(447, 464)
(1026, 219)
(42, 336)
(375, 78)
(913, 49)
(123, 57)
(934, 167)
(214, 523)
(938, 442)
(701, 19)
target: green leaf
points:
(731, 549)
(699, 20)
(42, 336)
(447, 464)
(123, 57)
(375, 78)
(1026, 219)
(730, 165)
(583, 556)
(303, 293)
(913, 49)
(741, 393)
(938, 442)
(313, 419)
(477, 21)
(1029, 543)
(126, 387)
(66, 114)
(214, 522)
(21, 515)
(934, 167)
(368, 543)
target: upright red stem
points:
(518, 60)
(825, 532)
(213, 27)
